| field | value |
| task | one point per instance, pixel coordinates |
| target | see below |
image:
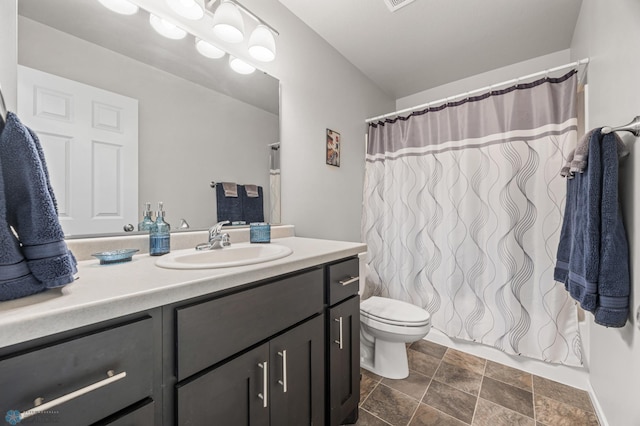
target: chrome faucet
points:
(217, 239)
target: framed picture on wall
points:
(333, 148)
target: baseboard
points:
(597, 407)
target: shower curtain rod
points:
(483, 89)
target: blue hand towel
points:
(252, 207)
(613, 280)
(592, 258)
(15, 278)
(228, 208)
(30, 207)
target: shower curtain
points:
(462, 213)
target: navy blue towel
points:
(252, 207)
(16, 280)
(593, 254)
(30, 206)
(229, 208)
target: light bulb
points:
(123, 7)
(189, 9)
(166, 28)
(228, 23)
(209, 50)
(240, 66)
(262, 45)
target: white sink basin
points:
(234, 255)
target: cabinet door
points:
(297, 375)
(344, 359)
(234, 393)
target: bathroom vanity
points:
(275, 343)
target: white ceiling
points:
(432, 42)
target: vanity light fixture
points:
(189, 9)
(209, 50)
(123, 7)
(262, 44)
(166, 28)
(240, 66)
(228, 23)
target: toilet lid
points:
(394, 311)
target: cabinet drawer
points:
(143, 415)
(211, 331)
(60, 369)
(341, 283)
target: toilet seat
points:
(393, 312)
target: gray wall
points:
(8, 47)
(478, 81)
(320, 89)
(608, 32)
(188, 135)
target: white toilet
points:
(386, 325)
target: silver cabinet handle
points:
(265, 383)
(339, 342)
(39, 408)
(283, 382)
(349, 280)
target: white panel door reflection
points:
(90, 140)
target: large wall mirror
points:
(198, 121)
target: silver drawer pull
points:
(265, 383)
(283, 382)
(339, 342)
(349, 280)
(39, 408)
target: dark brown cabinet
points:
(282, 351)
(100, 374)
(229, 394)
(280, 382)
(343, 342)
(297, 375)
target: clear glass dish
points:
(115, 256)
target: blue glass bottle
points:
(147, 221)
(159, 235)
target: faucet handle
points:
(215, 229)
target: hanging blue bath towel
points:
(31, 208)
(16, 280)
(593, 253)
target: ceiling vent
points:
(394, 5)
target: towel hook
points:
(633, 127)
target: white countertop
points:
(104, 292)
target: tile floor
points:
(447, 387)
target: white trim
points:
(597, 407)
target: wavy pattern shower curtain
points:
(462, 214)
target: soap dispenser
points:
(147, 221)
(159, 236)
